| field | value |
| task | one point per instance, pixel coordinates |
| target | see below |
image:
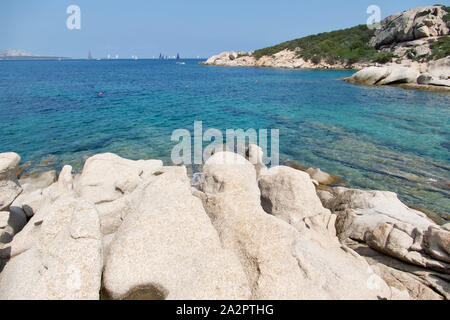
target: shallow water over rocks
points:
(383, 138)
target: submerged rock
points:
(322, 177)
(38, 181)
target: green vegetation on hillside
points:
(447, 16)
(347, 46)
(440, 48)
(351, 45)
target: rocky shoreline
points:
(434, 76)
(139, 229)
(285, 59)
(410, 38)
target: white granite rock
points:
(410, 25)
(168, 249)
(9, 185)
(108, 180)
(290, 195)
(59, 253)
(381, 220)
(280, 262)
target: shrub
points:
(447, 16)
(383, 57)
(348, 45)
(316, 59)
(440, 48)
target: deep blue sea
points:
(383, 138)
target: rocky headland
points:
(410, 49)
(124, 229)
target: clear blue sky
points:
(192, 28)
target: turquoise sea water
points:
(382, 138)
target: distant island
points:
(10, 54)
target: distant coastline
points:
(11, 54)
(32, 58)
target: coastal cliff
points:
(124, 229)
(414, 39)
